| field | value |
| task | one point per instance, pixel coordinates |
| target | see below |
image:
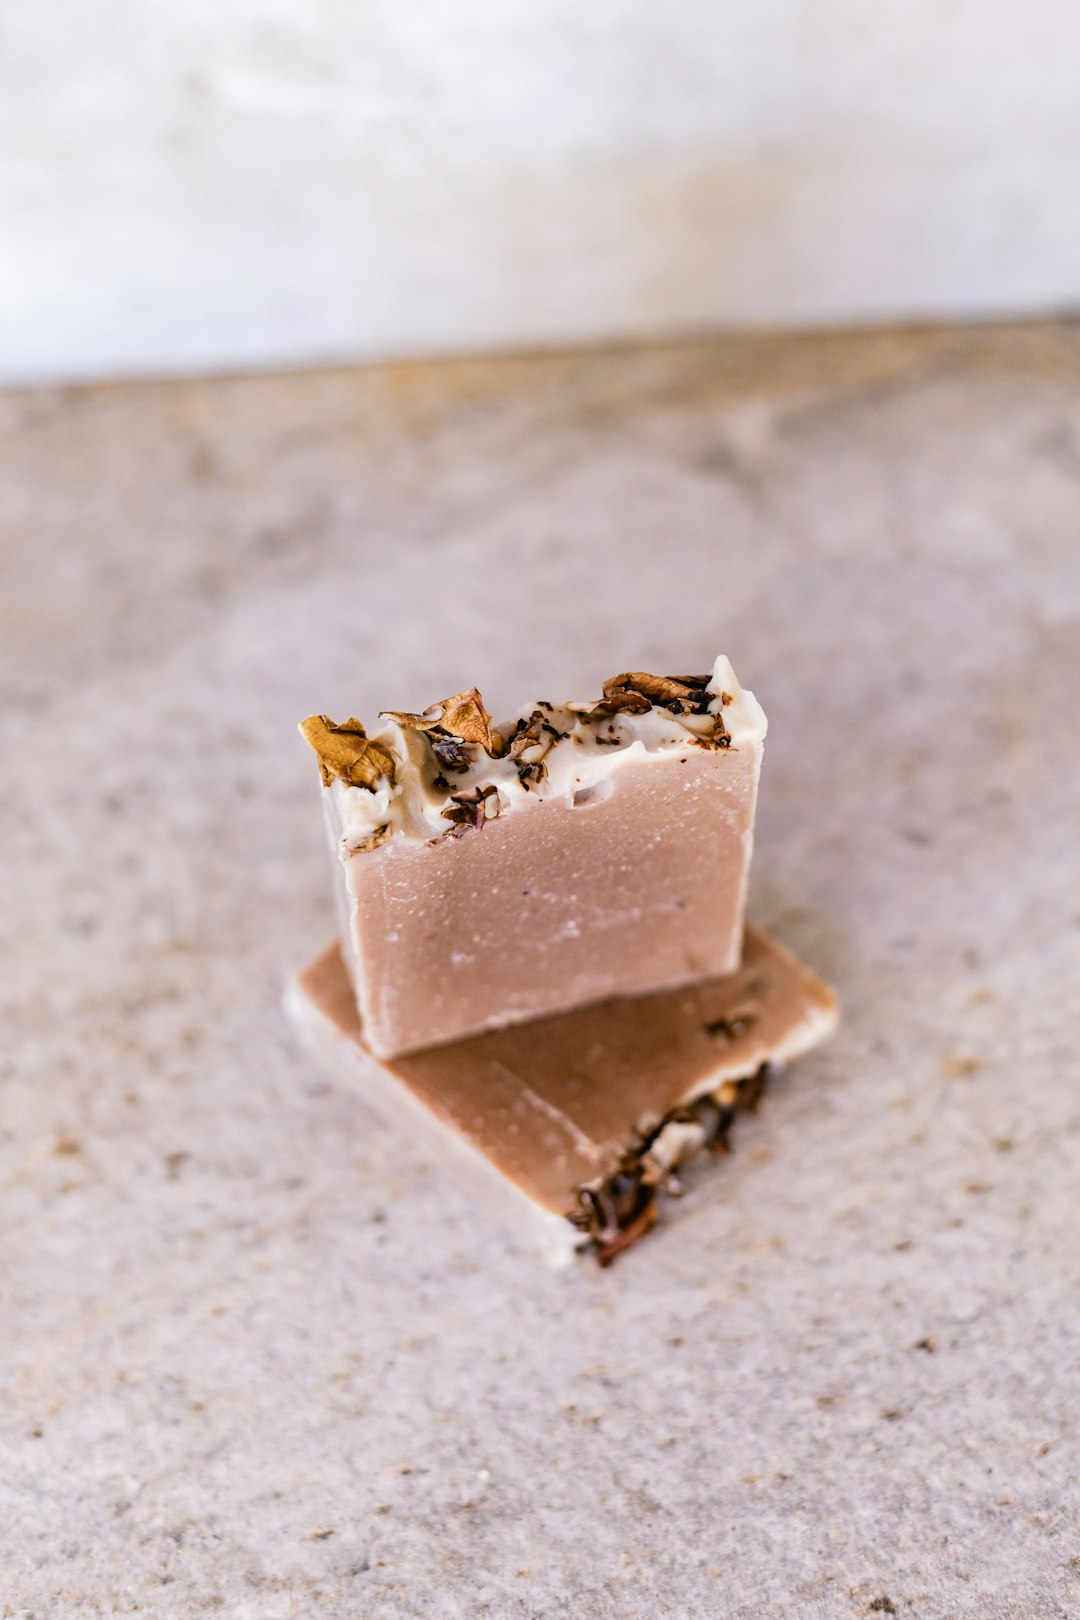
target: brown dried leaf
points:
(635, 692)
(628, 702)
(684, 696)
(347, 752)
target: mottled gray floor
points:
(258, 1359)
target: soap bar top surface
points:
(437, 774)
(586, 850)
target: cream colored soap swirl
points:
(589, 754)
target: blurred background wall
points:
(225, 183)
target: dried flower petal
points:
(372, 841)
(347, 752)
(636, 692)
(617, 1209)
(451, 754)
(526, 734)
(427, 721)
(472, 809)
(462, 716)
(618, 702)
(533, 738)
(682, 696)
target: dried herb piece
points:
(451, 753)
(621, 702)
(533, 737)
(372, 841)
(527, 734)
(688, 695)
(472, 809)
(731, 1028)
(347, 752)
(462, 716)
(636, 691)
(615, 1211)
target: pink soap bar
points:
(571, 1128)
(582, 851)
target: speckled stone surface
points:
(257, 1358)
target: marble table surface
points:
(257, 1356)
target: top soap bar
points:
(584, 850)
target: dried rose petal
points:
(462, 716)
(451, 753)
(628, 702)
(347, 752)
(534, 737)
(471, 809)
(667, 691)
(635, 692)
(372, 841)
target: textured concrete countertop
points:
(257, 1357)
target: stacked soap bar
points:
(583, 850)
(573, 1128)
(568, 888)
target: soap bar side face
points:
(630, 890)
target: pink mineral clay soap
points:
(491, 874)
(572, 1129)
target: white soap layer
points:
(591, 753)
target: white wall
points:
(201, 183)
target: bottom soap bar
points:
(574, 1125)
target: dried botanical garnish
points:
(453, 728)
(683, 694)
(347, 752)
(472, 809)
(620, 701)
(616, 1210)
(731, 1028)
(636, 692)
(616, 1213)
(528, 745)
(372, 841)
(451, 754)
(461, 717)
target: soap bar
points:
(572, 1128)
(491, 874)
